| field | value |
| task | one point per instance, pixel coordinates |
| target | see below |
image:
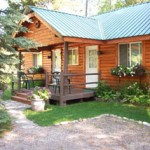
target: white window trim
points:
(129, 50)
(74, 48)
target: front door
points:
(91, 65)
(56, 61)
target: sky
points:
(3, 4)
(76, 7)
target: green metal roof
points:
(125, 22)
(70, 25)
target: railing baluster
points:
(12, 84)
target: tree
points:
(107, 5)
(9, 20)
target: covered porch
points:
(60, 92)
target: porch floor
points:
(75, 93)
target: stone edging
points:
(110, 115)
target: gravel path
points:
(104, 133)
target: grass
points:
(5, 121)
(7, 94)
(56, 114)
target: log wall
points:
(41, 35)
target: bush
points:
(131, 93)
(105, 92)
(5, 120)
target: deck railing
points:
(63, 84)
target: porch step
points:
(23, 95)
(21, 99)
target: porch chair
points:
(57, 82)
(27, 80)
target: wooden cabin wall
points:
(109, 59)
(42, 35)
(77, 69)
(28, 60)
(46, 62)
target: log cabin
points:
(84, 47)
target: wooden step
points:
(21, 99)
(23, 95)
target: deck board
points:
(76, 93)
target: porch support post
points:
(19, 70)
(65, 57)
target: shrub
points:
(134, 93)
(5, 120)
(105, 92)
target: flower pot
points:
(38, 105)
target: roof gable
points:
(70, 25)
(125, 22)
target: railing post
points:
(12, 84)
(99, 76)
(62, 92)
(19, 71)
(46, 79)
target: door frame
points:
(87, 62)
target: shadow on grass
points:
(57, 114)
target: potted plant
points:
(39, 96)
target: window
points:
(37, 59)
(73, 56)
(130, 54)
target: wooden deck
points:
(75, 93)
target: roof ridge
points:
(125, 7)
(62, 12)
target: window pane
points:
(39, 60)
(124, 54)
(35, 60)
(135, 53)
(73, 56)
(92, 58)
(70, 57)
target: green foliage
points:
(136, 94)
(108, 5)
(9, 20)
(34, 69)
(40, 94)
(5, 120)
(133, 93)
(56, 114)
(106, 93)
(3, 85)
(122, 71)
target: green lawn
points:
(56, 114)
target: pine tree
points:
(9, 25)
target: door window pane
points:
(92, 58)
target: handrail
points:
(62, 76)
